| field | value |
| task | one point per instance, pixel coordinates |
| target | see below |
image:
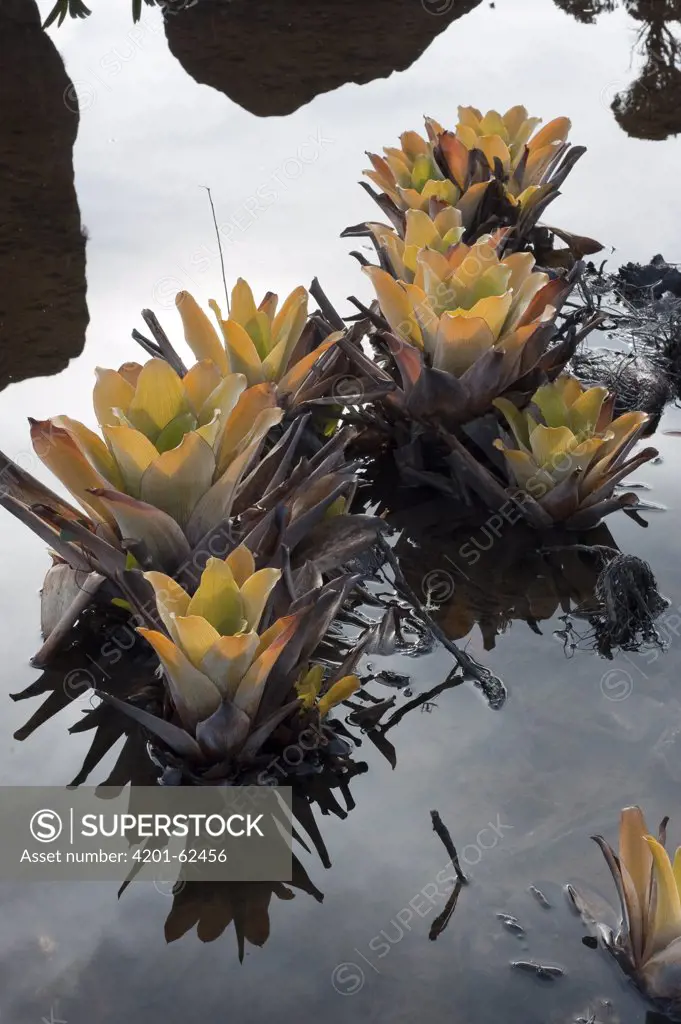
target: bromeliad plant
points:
(569, 453)
(493, 169)
(646, 941)
(175, 444)
(468, 323)
(231, 683)
(178, 473)
(281, 348)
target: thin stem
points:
(217, 232)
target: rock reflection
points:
(43, 313)
(651, 107)
(273, 56)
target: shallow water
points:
(521, 789)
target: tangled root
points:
(629, 602)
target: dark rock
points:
(273, 56)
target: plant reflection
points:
(43, 313)
(651, 107)
(495, 573)
(211, 907)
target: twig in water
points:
(443, 832)
(492, 687)
(217, 232)
(443, 919)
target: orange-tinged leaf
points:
(61, 453)
(555, 131)
(456, 157)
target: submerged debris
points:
(512, 923)
(630, 603)
(539, 896)
(547, 971)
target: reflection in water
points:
(498, 572)
(651, 107)
(273, 56)
(43, 314)
(211, 907)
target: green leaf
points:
(173, 432)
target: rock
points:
(273, 56)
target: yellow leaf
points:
(550, 443)
(223, 399)
(133, 453)
(171, 598)
(159, 397)
(251, 687)
(309, 685)
(243, 355)
(177, 479)
(461, 340)
(495, 148)
(555, 131)
(228, 660)
(395, 305)
(255, 593)
(292, 380)
(241, 563)
(200, 382)
(667, 924)
(243, 308)
(93, 447)
(199, 332)
(217, 598)
(195, 636)
(340, 691)
(193, 694)
(111, 391)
